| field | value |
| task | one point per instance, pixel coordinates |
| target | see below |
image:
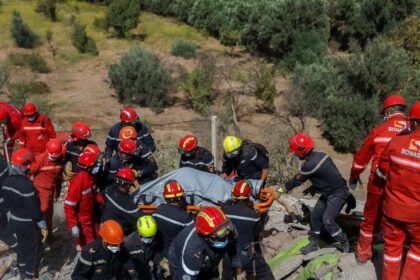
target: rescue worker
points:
(79, 205)
(400, 166)
(10, 119)
(327, 181)
(245, 160)
(118, 204)
(79, 139)
(197, 250)
(26, 220)
(373, 146)
(195, 156)
(47, 177)
(172, 217)
(141, 247)
(102, 259)
(138, 158)
(35, 130)
(128, 117)
(240, 210)
(5, 234)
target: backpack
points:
(259, 147)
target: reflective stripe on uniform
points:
(86, 191)
(184, 266)
(71, 203)
(18, 192)
(119, 207)
(146, 155)
(405, 162)
(357, 166)
(46, 168)
(413, 256)
(13, 217)
(172, 221)
(99, 262)
(382, 139)
(379, 173)
(243, 218)
(1, 200)
(392, 259)
(197, 163)
(83, 261)
(3, 172)
(365, 234)
(316, 166)
(33, 128)
(336, 233)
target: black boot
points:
(344, 242)
(312, 246)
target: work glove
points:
(353, 184)
(44, 233)
(281, 190)
(75, 232)
(310, 191)
(137, 173)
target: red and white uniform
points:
(400, 164)
(373, 146)
(13, 125)
(47, 178)
(35, 135)
(79, 206)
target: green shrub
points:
(161, 7)
(37, 63)
(23, 36)
(265, 88)
(183, 48)
(197, 89)
(181, 9)
(140, 78)
(81, 41)
(18, 59)
(48, 8)
(230, 38)
(204, 14)
(122, 16)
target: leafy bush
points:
(265, 87)
(81, 41)
(197, 89)
(48, 8)
(345, 93)
(183, 48)
(18, 59)
(122, 16)
(161, 7)
(140, 78)
(230, 38)
(181, 9)
(23, 36)
(37, 63)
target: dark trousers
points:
(6, 234)
(325, 213)
(28, 248)
(261, 271)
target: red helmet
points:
(241, 190)
(54, 148)
(3, 116)
(211, 221)
(128, 114)
(29, 109)
(80, 130)
(392, 100)
(188, 143)
(126, 175)
(23, 158)
(127, 146)
(173, 189)
(93, 149)
(301, 144)
(128, 132)
(414, 113)
(86, 159)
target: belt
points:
(13, 217)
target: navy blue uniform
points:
(22, 201)
(120, 207)
(73, 152)
(98, 263)
(5, 234)
(113, 140)
(248, 165)
(201, 160)
(171, 220)
(326, 180)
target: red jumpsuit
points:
(13, 125)
(400, 164)
(35, 135)
(373, 145)
(79, 206)
(47, 177)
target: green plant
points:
(122, 16)
(23, 36)
(18, 59)
(37, 63)
(48, 8)
(197, 89)
(81, 41)
(265, 87)
(140, 78)
(183, 48)
(21, 90)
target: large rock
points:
(288, 267)
(350, 270)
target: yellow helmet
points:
(146, 226)
(231, 143)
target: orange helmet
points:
(414, 113)
(173, 189)
(128, 132)
(29, 109)
(187, 144)
(23, 158)
(80, 130)
(301, 144)
(241, 190)
(3, 116)
(111, 232)
(125, 176)
(211, 221)
(393, 100)
(127, 114)
(54, 148)
(86, 159)
(127, 146)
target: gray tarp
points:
(201, 188)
